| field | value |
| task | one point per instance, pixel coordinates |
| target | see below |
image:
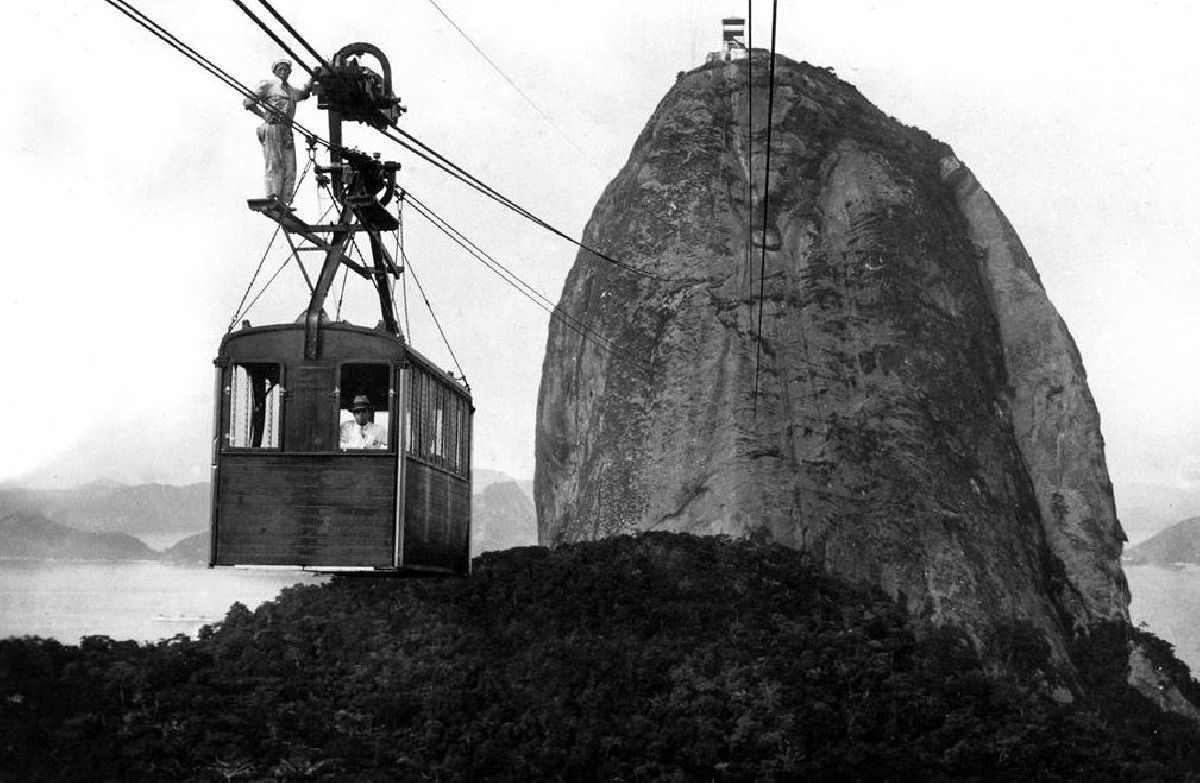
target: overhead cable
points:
(748, 263)
(239, 312)
(513, 84)
(187, 51)
(441, 161)
(400, 254)
(287, 26)
(762, 266)
(427, 153)
(262, 25)
(525, 289)
(421, 289)
(407, 140)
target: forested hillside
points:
(661, 657)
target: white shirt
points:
(279, 97)
(364, 436)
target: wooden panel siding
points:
(309, 412)
(335, 510)
(304, 503)
(437, 518)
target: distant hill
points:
(502, 517)
(482, 478)
(502, 511)
(1146, 509)
(656, 658)
(33, 535)
(109, 506)
(117, 508)
(1177, 545)
(189, 551)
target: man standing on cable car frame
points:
(362, 433)
(275, 134)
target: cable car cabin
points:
(298, 481)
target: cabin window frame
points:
(228, 385)
(437, 422)
(389, 366)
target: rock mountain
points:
(109, 506)
(912, 410)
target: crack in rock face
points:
(848, 352)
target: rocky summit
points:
(845, 350)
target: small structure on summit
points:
(733, 34)
(733, 40)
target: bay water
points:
(148, 601)
(1166, 601)
(141, 600)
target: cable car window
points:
(255, 402)
(439, 443)
(364, 415)
(437, 421)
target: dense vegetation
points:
(660, 657)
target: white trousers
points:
(279, 157)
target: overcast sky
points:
(128, 169)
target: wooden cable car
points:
(338, 446)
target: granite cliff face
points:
(922, 419)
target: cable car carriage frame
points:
(288, 488)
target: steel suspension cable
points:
(400, 254)
(762, 266)
(238, 313)
(287, 26)
(436, 158)
(262, 26)
(408, 141)
(748, 262)
(436, 322)
(562, 316)
(263, 290)
(267, 285)
(427, 153)
(164, 35)
(512, 84)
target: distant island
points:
(105, 520)
(112, 507)
(191, 550)
(28, 534)
(1175, 546)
